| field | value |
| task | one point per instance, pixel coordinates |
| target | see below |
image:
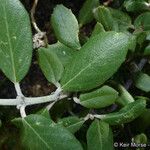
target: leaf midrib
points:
(37, 134)
(9, 42)
(115, 45)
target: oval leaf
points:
(50, 65)
(65, 26)
(126, 114)
(99, 136)
(96, 62)
(86, 14)
(15, 40)
(143, 21)
(136, 5)
(100, 98)
(142, 81)
(39, 133)
(104, 16)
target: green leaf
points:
(125, 97)
(96, 62)
(73, 124)
(99, 136)
(99, 98)
(85, 13)
(98, 29)
(140, 139)
(45, 113)
(136, 5)
(126, 114)
(63, 52)
(133, 42)
(50, 64)
(15, 40)
(104, 16)
(147, 50)
(65, 26)
(143, 21)
(142, 81)
(122, 19)
(140, 37)
(38, 133)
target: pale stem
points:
(43, 99)
(22, 111)
(9, 102)
(31, 100)
(76, 100)
(50, 105)
(91, 116)
(88, 116)
(18, 89)
(57, 85)
(32, 16)
(21, 99)
(99, 116)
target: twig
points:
(18, 89)
(76, 100)
(91, 116)
(50, 105)
(9, 102)
(22, 111)
(32, 16)
(21, 100)
(40, 38)
(44, 99)
(31, 100)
